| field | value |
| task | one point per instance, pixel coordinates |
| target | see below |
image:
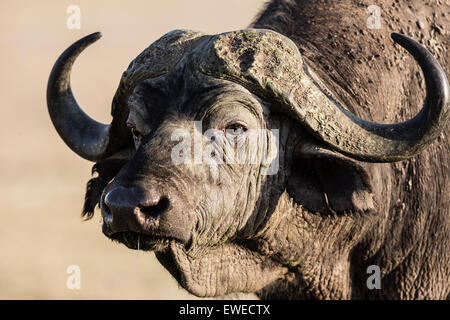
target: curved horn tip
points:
(397, 36)
(91, 38)
(85, 136)
(405, 41)
(82, 43)
(95, 36)
(429, 64)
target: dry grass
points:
(41, 181)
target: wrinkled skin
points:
(210, 206)
(409, 236)
(311, 230)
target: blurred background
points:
(42, 182)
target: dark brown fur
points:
(321, 249)
(379, 81)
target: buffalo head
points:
(190, 97)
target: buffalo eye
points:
(235, 129)
(137, 135)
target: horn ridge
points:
(373, 142)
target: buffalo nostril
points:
(135, 208)
(155, 208)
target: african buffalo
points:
(346, 193)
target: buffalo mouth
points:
(141, 241)
(162, 246)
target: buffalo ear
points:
(328, 182)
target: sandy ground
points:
(42, 182)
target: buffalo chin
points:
(202, 273)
